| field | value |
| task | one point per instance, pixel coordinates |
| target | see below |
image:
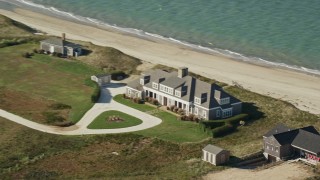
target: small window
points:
(204, 114)
(177, 93)
(196, 111)
(155, 85)
(197, 100)
(142, 81)
(218, 113)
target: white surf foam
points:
(225, 52)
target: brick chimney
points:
(182, 72)
(63, 36)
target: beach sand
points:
(300, 89)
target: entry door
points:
(165, 101)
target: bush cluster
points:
(60, 106)
(114, 119)
(152, 101)
(189, 117)
(96, 93)
(218, 128)
(135, 100)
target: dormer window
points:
(142, 81)
(224, 101)
(177, 93)
(197, 100)
(155, 85)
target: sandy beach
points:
(300, 89)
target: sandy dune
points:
(300, 89)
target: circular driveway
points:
(105, 103)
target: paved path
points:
(105, 103)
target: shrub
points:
(96, 94)
(55, 54)
(172, 107)
(223, 130)
(155, 102)
(26, 55)
(48, 52)
(60, 106)
(175, 109)
(168, 108)
(236, 119)
(35, 50)
(53, 117)
(146, 99)
(64, 124)
(124, 96)
(180, 111)
(118, 75)
(41, 51)
(59, 55)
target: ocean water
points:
(278, 32)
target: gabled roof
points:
(60, 42)
(276, 130)
(192, 86)
(307, 141)
(213, 149)
(306, 138)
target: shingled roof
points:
(213, 149)
(194, 87)
(306, 138)
(60, 42)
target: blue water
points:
(279, 32)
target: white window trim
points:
(227, 113)
(154, 85)
(177, 93)
(142, 81)
(197, 100)
(218, 113)
(196, 111)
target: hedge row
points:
(96, 93)
(218, 128)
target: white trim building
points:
(207, 101)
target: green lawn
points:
(170, 129)
(48, 77)
(101, 122)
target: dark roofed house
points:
(61, 45)
(282, 143)
(207, 101)
(215, 155)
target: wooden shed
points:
(215, 155)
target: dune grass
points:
(102, 121)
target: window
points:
(142, 81)
(197, 100)
(155, 85)
(204, 114)
(224, 101)
(196, 111)
(218, 113)
(227, 113)
(161, 87)
(177, 93)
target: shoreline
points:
(302, 90)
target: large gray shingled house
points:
(207, 101)
(282, 143)
(61, 45)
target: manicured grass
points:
(171, 129)
(101, 122)
(48, 77)
(141, 107)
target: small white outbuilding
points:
(215, 155)
(101, 79)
